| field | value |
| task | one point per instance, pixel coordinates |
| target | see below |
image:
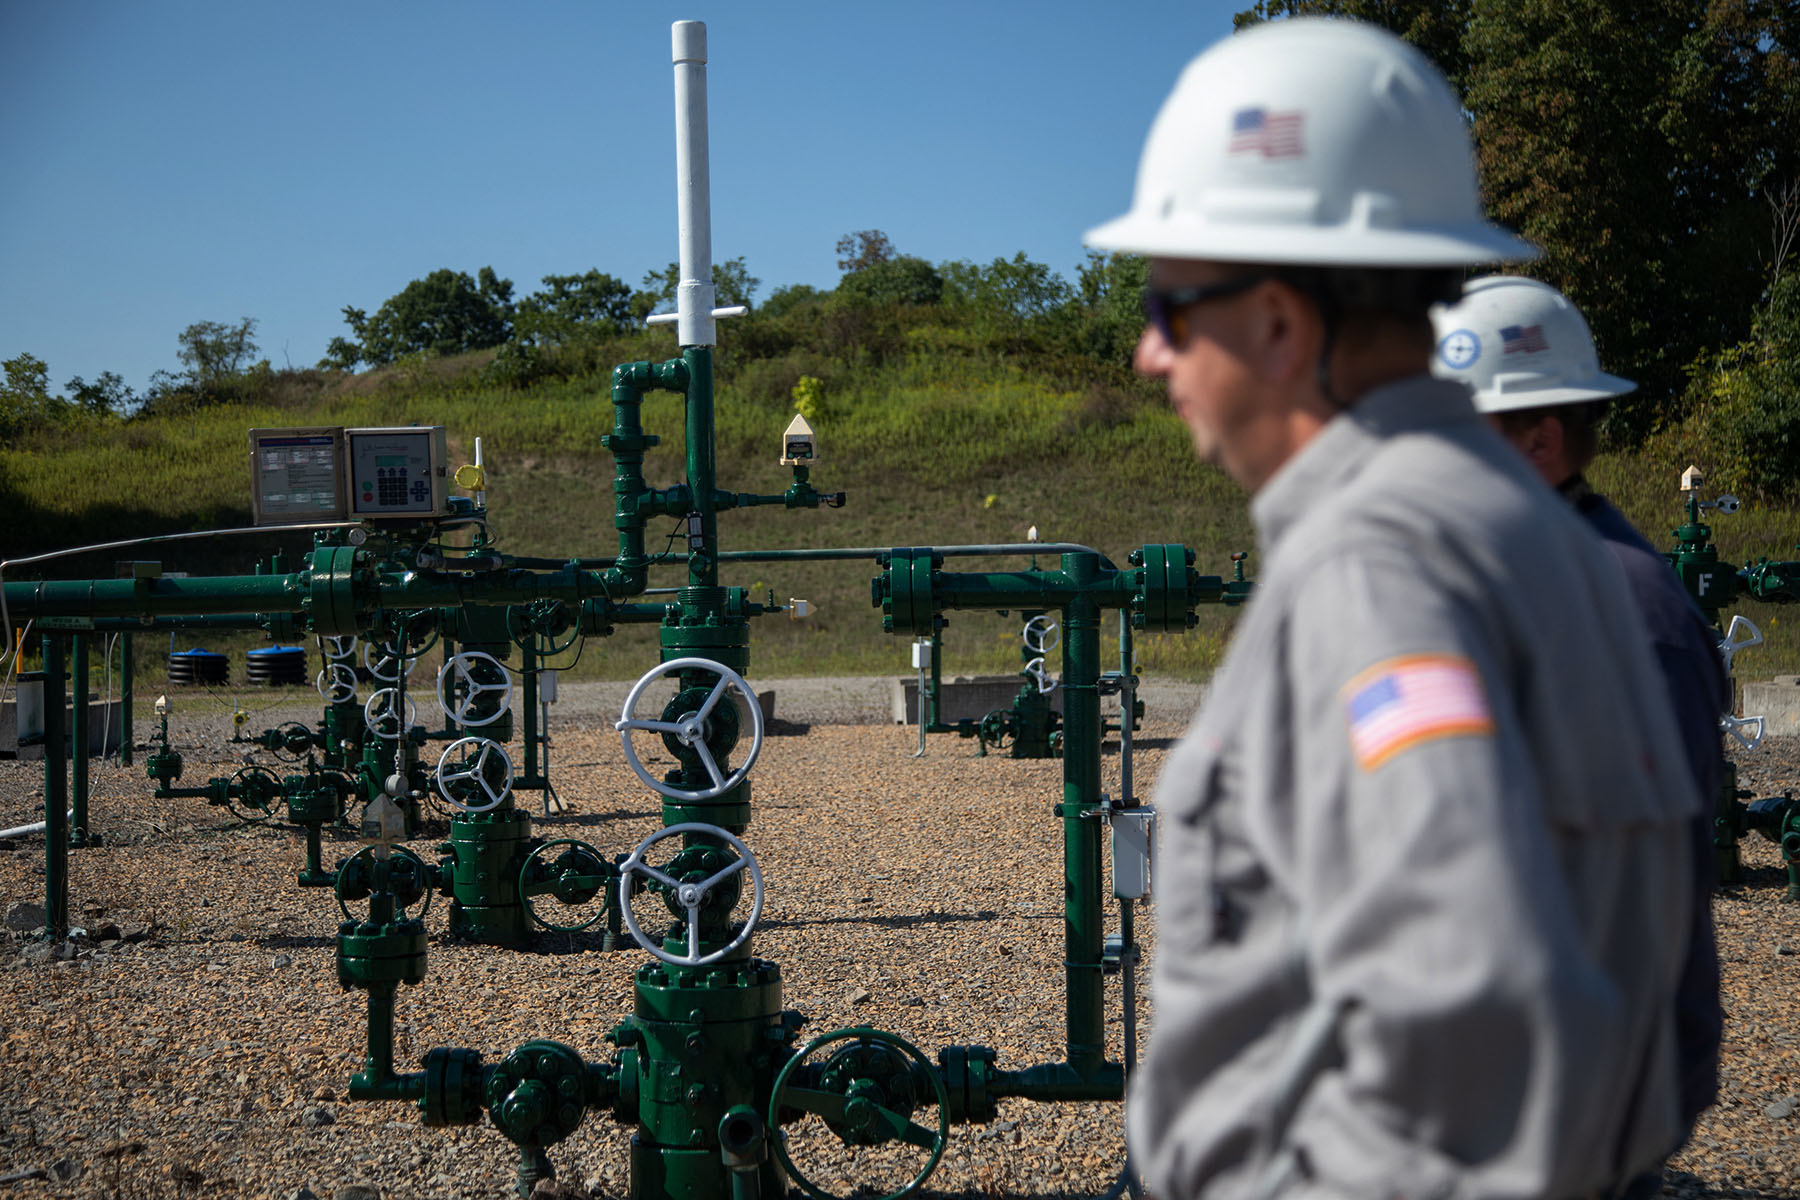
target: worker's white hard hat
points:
(1311, 142)
(1519, 344)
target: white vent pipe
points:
(694, 294)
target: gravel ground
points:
(206, 1051)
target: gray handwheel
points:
(383, 717)
(483, 770)
(690, 730)
(1041, 634)
(385, 666)
(472, 683)
(691, 896)
(337, 683)
(337, 648)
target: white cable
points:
(14, 660)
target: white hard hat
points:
(1519, 344)
(1311, 142)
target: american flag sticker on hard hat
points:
(1270, 134)
(1523, 339)
(1400, 703)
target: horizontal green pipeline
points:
(1059, 1083)
(826, 554)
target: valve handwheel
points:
(406, 878)
(337, 683)
(471, 684)
(1042, 634)
(690, 895)
(337, 648)
(253, 793)
(576, 876)
(474, 769)
(383, 718)
(543, 627)
(1731, 643)
(1034, 671)
(996, 728)
(293, 743)
(1735, 726)
(865, 1093)
(691, 730)
(385, 666)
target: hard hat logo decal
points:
(1522, 339)
(1459, 349)
(1270, 134)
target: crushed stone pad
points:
(197, 1041)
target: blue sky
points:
(199, 160)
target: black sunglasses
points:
(1162, 308)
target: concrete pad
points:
(104, 721)
(964, 697)
(1776, 700)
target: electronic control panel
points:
(297, 475)
(396, 472)
(328, 473)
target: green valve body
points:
(1037, 727)
(701, 1041)
(486, 851)
(344, 730)
(704, 625)
(1713, 584)
(370, 954)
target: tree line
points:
(1646, 145)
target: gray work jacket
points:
(1423, 875)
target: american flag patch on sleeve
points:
(1402, 702)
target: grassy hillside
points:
(931, 449)
(950, 456)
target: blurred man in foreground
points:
(1426, 881)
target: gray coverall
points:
(1439, 960)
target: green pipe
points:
(78, 742)
(1084, 934)
(378, 1080)
(335, 590)
(937, 680)
(703, 563)
(626, 574)
(217, 621)
(134, 597)
(1060, 1083)
(1031, 589)
(56, 793)
(820, 554)
(127, 733)
(1128, 980)
(314, 873)
(377, 1075)
(529, 661)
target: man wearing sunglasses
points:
(1426, 887)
